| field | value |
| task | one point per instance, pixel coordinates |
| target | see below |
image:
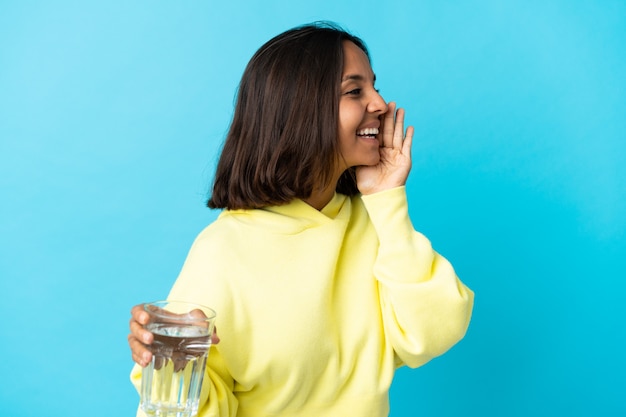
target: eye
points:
(354, 92)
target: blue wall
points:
(111, 116)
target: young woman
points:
(322, 286)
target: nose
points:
(377, 104)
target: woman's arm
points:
(426, 308)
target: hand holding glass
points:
(170, 384)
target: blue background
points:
(111, 117)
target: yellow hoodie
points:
(316, 309)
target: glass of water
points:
(170, 384)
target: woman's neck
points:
(319, 198)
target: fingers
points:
(140, 353)
(199, 314)
(140, 337)
(398, 133)
(393, 129)
(214, 337)
(408, 141)
(139, 318)
(388, 125)
(138, 331)
(139, 314)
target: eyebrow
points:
(355, 77)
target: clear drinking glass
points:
(170, 384)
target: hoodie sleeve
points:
(216, 398)
(426, 308)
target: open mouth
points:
(369, 132)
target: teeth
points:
(370, 131)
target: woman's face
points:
(360, 107)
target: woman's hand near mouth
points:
(395, 155)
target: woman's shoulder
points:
(288, 219)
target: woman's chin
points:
(373, 160)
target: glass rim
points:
(161, 305)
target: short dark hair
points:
(282, 140)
